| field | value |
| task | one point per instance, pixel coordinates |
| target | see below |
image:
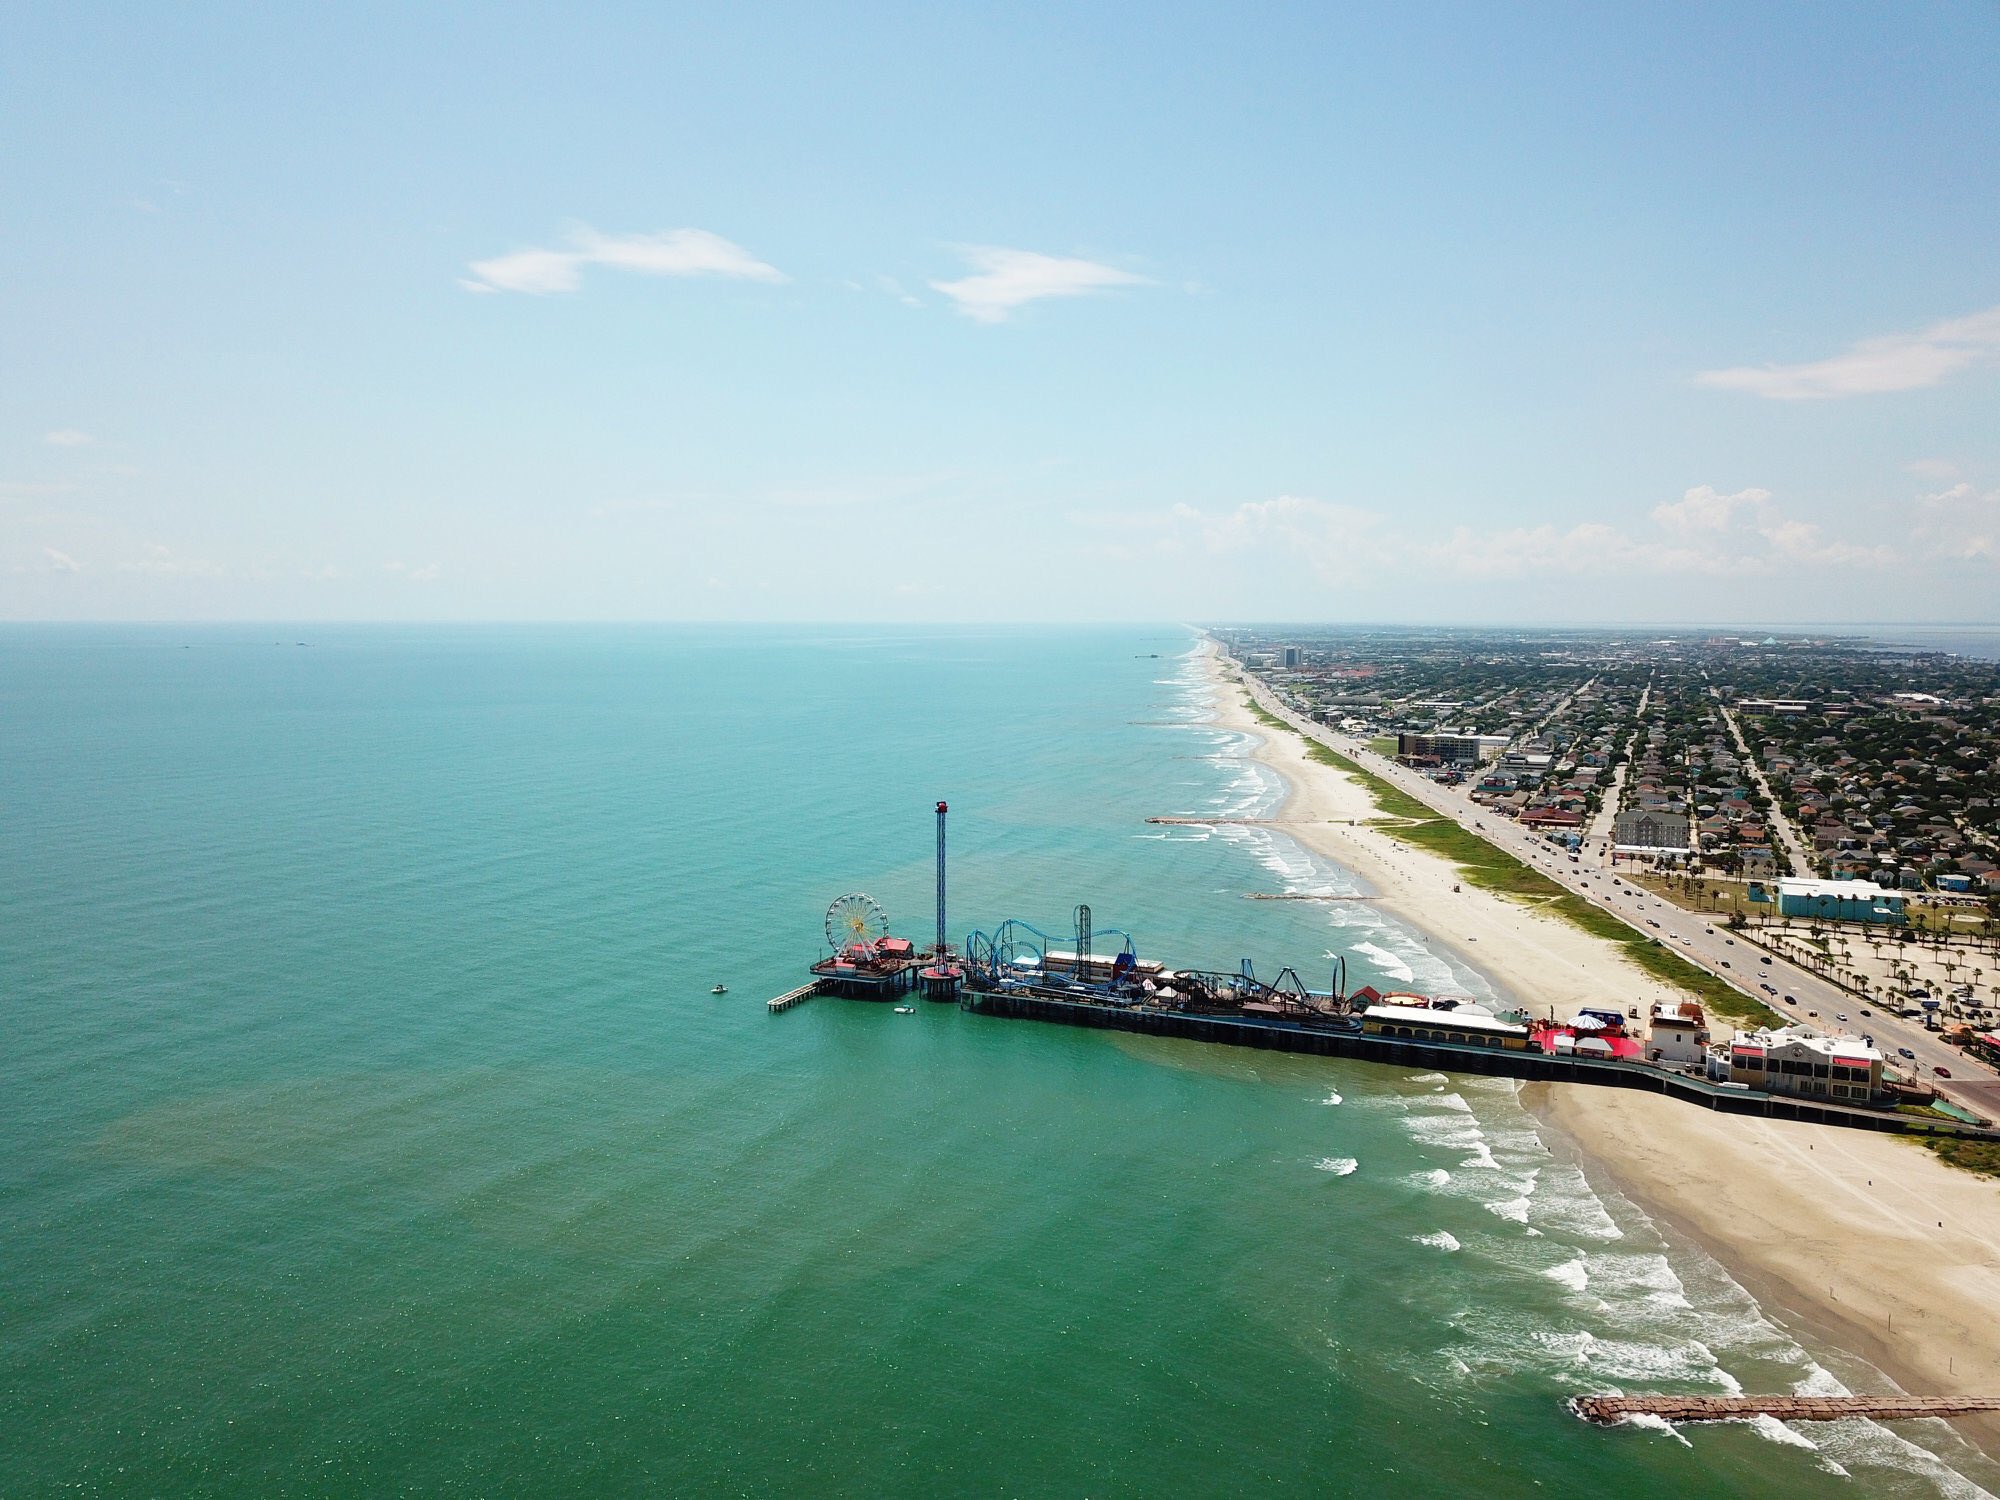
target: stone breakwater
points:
(1605, 1410)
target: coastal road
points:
(1815, 1002)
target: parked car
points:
(1841, 1017)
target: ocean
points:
(370, 1125)
(1977, 642)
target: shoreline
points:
(1837, 1234)
(1534, 960)
(1867, 1251)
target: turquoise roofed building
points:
(1842, 901)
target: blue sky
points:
(1149, 312)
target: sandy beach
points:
(1864, 1243)
(1538, 961)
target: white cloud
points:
(164, 562)
(673, 252)
(1522, 551)
(1329, 534)
(1891, 362)
(68, 437)
(60, 562)
(1003, 280)
(1705, 533)
(1961, 523)
(1804, 542)
(1704, 509)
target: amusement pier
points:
(1095, 977)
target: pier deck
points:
(1605, 1410)
(1337, 1039)
(792, 997)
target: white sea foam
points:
(1640, 1281)
(1573, 1274)
(1340, 1166)
(1332, 1097)
(1390, 965)
(1654, 1423)
(1567, 1206)
(1624, 1310)
(1767, 1426)
(1847, 1446)
(1638, 1361)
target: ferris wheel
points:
(856, 919)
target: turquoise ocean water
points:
(369, 1125)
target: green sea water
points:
(370, 1128)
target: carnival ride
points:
(1017, 955)
(856, 925)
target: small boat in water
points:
(720, 989)
(906, 1010)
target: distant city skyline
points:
(1436, 314)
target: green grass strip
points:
(1982, 1157)
(1491, 868)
